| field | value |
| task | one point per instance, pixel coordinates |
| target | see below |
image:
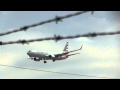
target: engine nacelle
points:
(67, 56)
(50, 56)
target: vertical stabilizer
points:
(65, 50)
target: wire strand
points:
(58, 38)
(55, 72)
(56, 19)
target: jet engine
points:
(50, 56)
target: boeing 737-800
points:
(37, 56)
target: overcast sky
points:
(99, 57)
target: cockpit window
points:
(29, 51)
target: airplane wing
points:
(73, 54)
(57, 55)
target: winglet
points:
(81, 47)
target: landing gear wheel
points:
(53, 60)
(50, 56)
(35, 59)
(45, 61)
(38, 60)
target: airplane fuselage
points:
(37, 56)
(44, 56)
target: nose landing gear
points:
(53, 60)
(45, 61)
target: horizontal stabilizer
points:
(68, 52)
(75, 50)
(73, 54)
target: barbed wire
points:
(58, 38)
(56, 72)
(56, 19)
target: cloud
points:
(101, 52)
(90, 24)
(84, 39)
(8, 57)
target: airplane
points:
(37, 56)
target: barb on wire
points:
(56, 19)
(58, 38)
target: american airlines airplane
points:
(37, 56)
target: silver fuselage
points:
(44, 56)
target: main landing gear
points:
(35, 59)
(53, 60)
(45, 61)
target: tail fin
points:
(65, 50)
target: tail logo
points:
(66, 49)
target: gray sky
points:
(99, 56)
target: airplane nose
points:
(27, 53)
